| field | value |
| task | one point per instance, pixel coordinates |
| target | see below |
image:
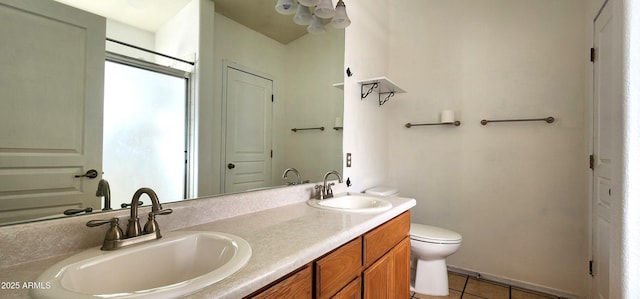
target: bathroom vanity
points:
(295, 247)
(370, 265)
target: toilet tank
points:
(383, 191)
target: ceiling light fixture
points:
(340, 20)
(316, 26)
(285, 7)
(303, 15)
(323, 10)
(308, 3)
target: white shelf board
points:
(384, 85)
(338, 85)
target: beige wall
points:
(313, 64)
(630, 204)
(517, 191)
(365, 123)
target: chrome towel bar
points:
(549, 120)
(455, 123)
(303, 129)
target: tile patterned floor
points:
(465, 287)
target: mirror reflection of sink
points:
(355, 203)
(178, 264)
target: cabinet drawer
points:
(338, 268)
(352, 291)
(298, 285)
(381, 239)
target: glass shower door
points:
(145, 133)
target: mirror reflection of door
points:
(249, 110)
(50, 119)
(605, 114)
(145, 131)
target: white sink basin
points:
(355, 203)
(178, 264)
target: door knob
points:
(231, 166)
(91, 173)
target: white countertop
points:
(282, 240)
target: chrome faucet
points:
(104, 191)
(115, 238)
(296, 172)
(325, 190)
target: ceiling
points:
(261, 16)
(150, 15)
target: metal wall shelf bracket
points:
(549, 120)
(389, 95)
(365, 94)
(383, 86)
(455, 123)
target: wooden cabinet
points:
(374, 265)
(335, 270)
(388, 277)
(294, 286)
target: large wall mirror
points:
(274, 102)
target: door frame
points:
(226, 64)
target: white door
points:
(602, 151)
(51, 89)
(248, 131)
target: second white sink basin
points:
(355, 203)
(178, 264)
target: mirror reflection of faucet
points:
(78, 211)
(104, 191)
(126, 205)
(296, 172)
(115, 238)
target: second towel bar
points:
(549, 120)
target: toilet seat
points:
(434, 234)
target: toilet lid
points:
(434, 234)
(382, 191)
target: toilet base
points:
(431, 278)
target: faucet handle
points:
(152, 225)
(319, 191)
(162, 212)
(114, 233)
(329, 191)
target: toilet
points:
(430, 246)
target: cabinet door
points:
(352, 291)
(400, 288)
(377, 279)
(298, 285)
(389, 276)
